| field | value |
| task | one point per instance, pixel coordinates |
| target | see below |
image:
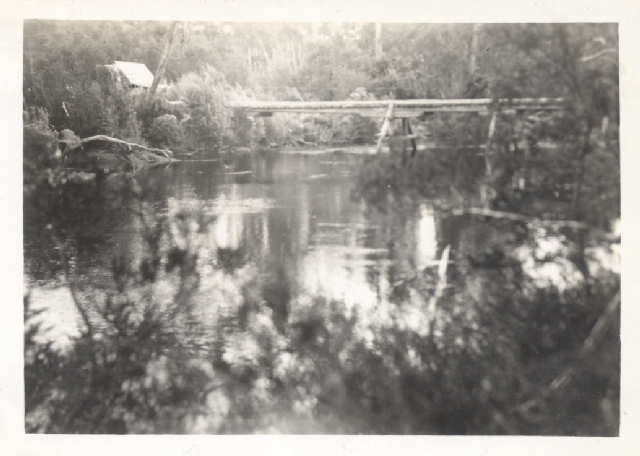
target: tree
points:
(162, 65)
(378, 42)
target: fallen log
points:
(520, 218)
(109, 154)
(129, 146)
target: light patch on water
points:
(233, 203)
(59, 316)
(238, 173)
(326, 272)
(225, 205)
(426, 239)
(228, 230)
(346, 225)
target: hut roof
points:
(137, 73)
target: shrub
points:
(41, 155)
(165, 131)
(206, 117)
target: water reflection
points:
(426, 238)
(291, 217)
(308, 313)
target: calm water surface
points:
(287, 235)
(292, 218)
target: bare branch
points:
(595, 335)
(442, 281)
(587, 58)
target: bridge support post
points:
(487, 150)
(386, 127)
(406, 130)
(486, 187)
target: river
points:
(318, 313)
(291, 216)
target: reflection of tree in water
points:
(527, 297)
(84, 214)
(149, 362)
(102, 381)
(517, 333)
(519, 308)
(195, 336)
(231, 259)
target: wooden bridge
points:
(403, 109)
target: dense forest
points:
(553, 173)
(209, 62)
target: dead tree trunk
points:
(378, 41)
(162, 65)
(473, 54)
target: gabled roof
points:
(137, 73)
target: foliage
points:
(292, 61)
(165, 132)
(528, 60)
(123, 345)
(435, 66)
(522, 301)
(259, 360)
(206, 117)
(61, 73)
(41, 150)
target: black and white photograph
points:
(321, 227)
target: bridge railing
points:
(402, 108)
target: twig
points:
(587, 58)
(442, 281)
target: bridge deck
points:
(402, 108)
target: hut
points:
(131, 74)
